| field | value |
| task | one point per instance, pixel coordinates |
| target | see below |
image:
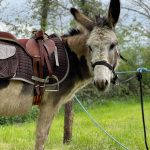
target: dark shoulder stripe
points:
(72, 32)
(4, 84)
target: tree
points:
(89, 7)
(45, 5)
(134, 41)
(57, 14)
(22, 22)
(68, 122)
(141, 8)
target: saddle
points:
(35, 60)
(40, 49)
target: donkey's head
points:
(102, 45)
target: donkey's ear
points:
(82, 19)
(114, 12)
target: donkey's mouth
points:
(101, 85)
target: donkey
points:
(93, 55)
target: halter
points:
(104, 63)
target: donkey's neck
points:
(77, 52)
(77, 44)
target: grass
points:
(121, 119)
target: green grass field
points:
(121, 119)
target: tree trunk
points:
(68, 121)
(44, 14)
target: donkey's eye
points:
(112, 46)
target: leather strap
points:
(36, 61)
(46, 57)
(37, 99)
(40, 42)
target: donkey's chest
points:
(70, 92)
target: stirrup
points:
(49, 85)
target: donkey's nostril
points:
(106, 83)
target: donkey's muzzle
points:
(101, 84)
(104, 63)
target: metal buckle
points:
(49, 85)
(39, 79)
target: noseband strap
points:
(104, 63)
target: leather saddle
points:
(33, 45)
(41, 61)
(39, 48)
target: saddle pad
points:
(8, 60)
(62, 70)
(7, 51)
(25, 67)
(20, 65)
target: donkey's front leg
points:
(47, 112)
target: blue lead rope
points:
(98, 125)
(141, 69)
(138, 71)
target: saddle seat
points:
(33, 48)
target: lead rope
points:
(139, 78)
(98, 125)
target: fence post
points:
(68, 122)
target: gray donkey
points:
(93, 55)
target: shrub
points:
(20, 119)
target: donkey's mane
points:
(102, 22)
(72, 32)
